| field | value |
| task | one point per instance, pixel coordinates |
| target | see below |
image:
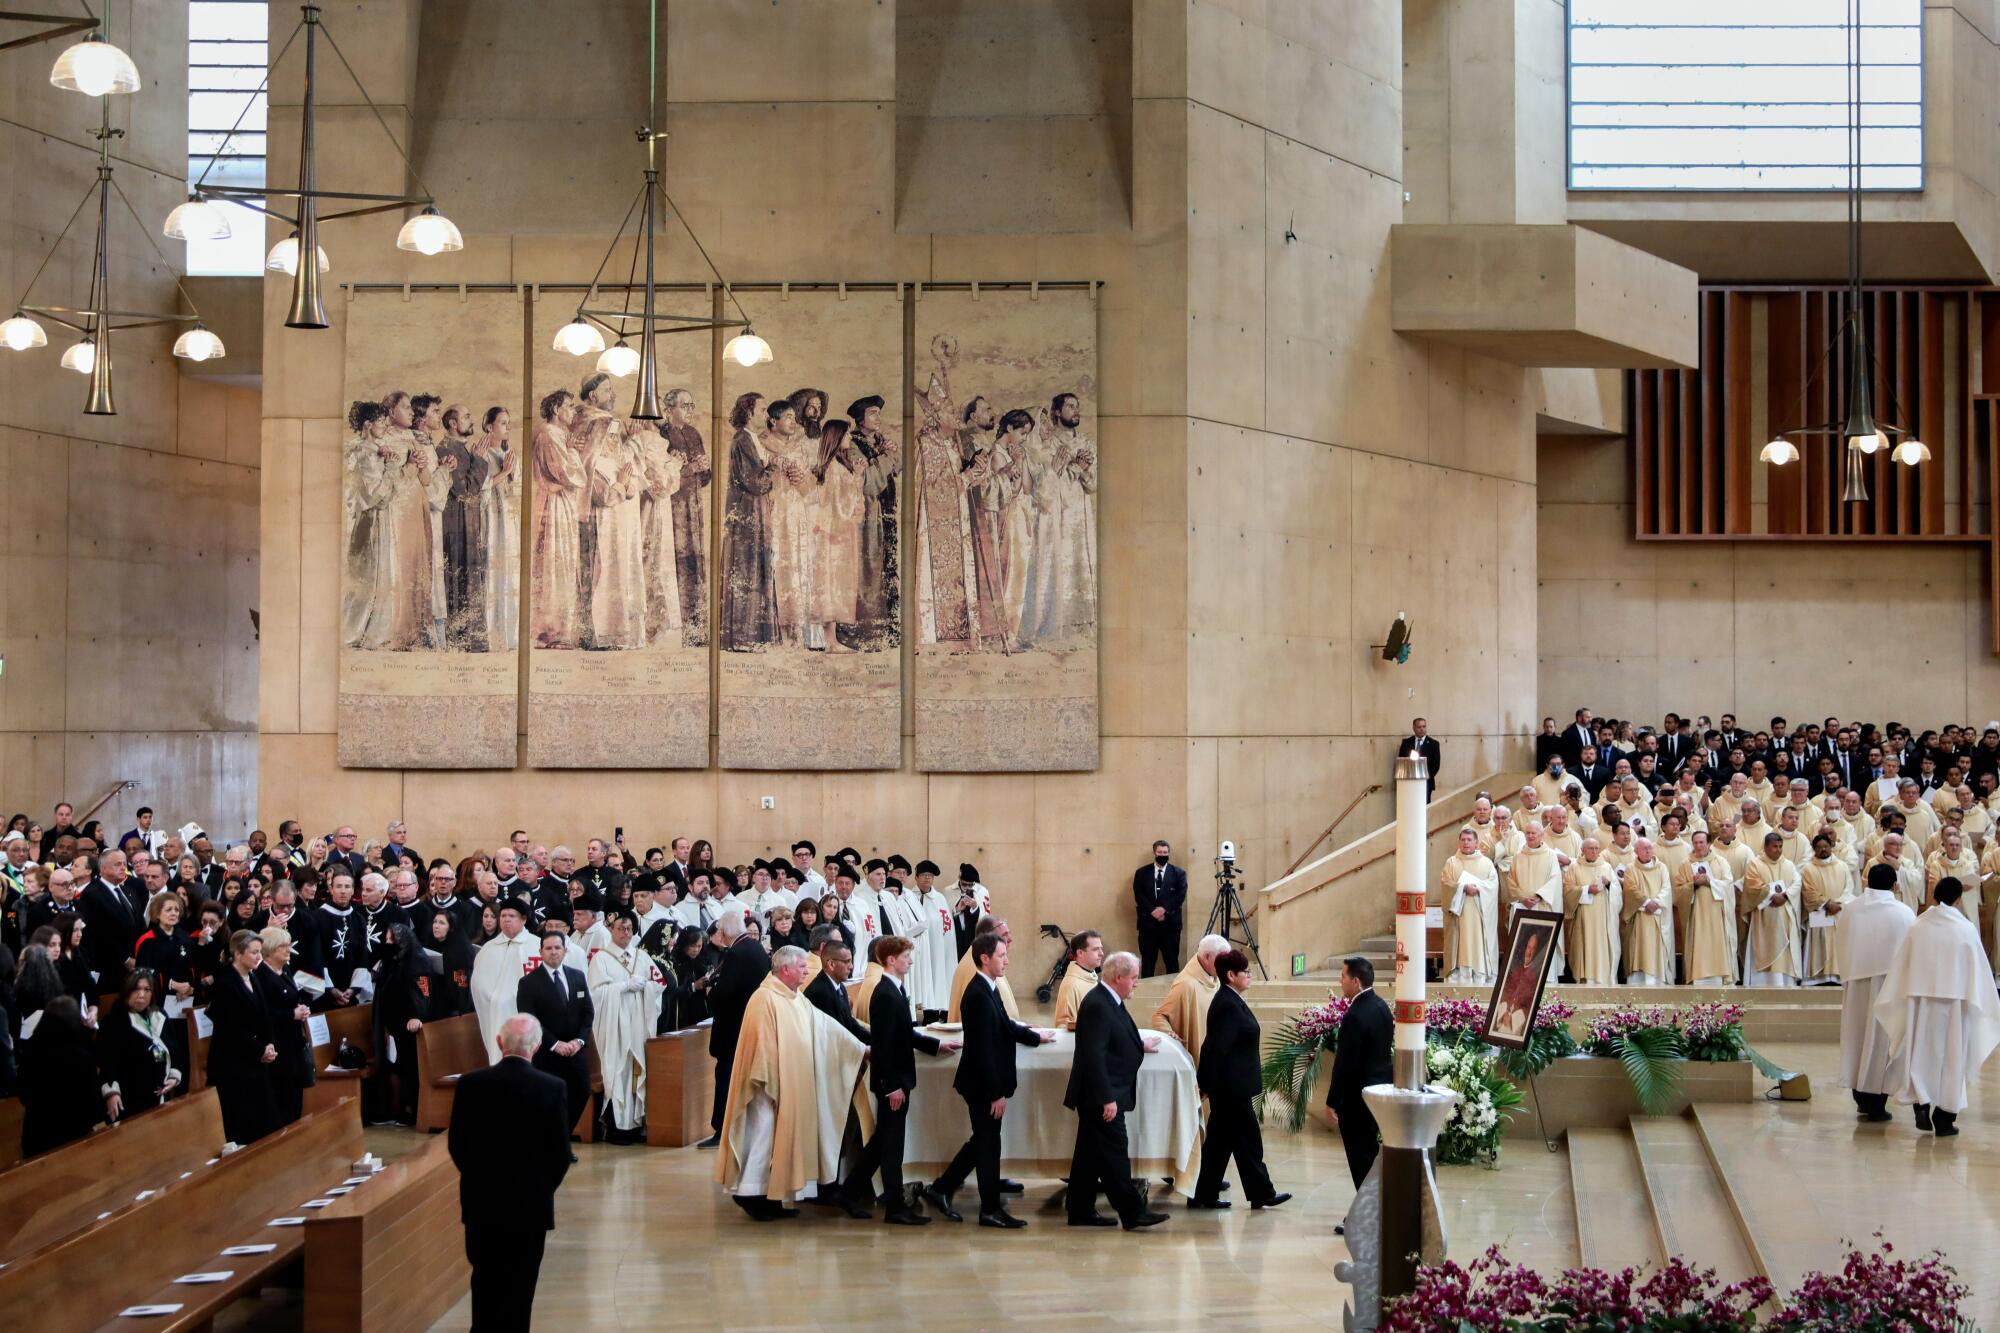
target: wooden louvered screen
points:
(1765, 367)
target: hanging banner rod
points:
(1025, 285)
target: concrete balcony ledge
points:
(1542, 295)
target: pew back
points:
(49, 1196)
(11, 1114)
(445, 1050)
(391, 1255)
(356, 1023)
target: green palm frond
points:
(1291, 1062)
(1651, 1058)
(1770, 1070)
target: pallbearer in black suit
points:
(1228, 1077)
(559, 999)
(509, 1139)
(1159, 891)
(892, 1077)
(985, 1080)
(828, 990)
(1363, 1058)
(1103, 1086)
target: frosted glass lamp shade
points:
(619, 359)
(579, 338)
(746, 349)
(284, 257)
(430, 233)
(198, 344)
(20, 333)
(95, 67)
(81, 357)
(197, 220)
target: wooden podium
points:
(680, 1088)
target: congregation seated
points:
(1703, 854)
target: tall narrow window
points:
(1742, 94)
(228, 49)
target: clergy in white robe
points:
(903, 914)
(1648, 914)
(626, 988)
(1920, 821)
(1705, 898)
(937, 953)
(1825, 886)
(1469, 888)
(859, 911)
(1895, 852)
(1590, 910)
(1955, 861)
(1769, 910)
(1867, 935)
(1938, 1007)
(1534, 880)
(1507, 841)
(497, 971)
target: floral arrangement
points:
(1873, 1293)
(1548, 1041)
(1606, 1030)
(1713, 1032)
(1472, 1136)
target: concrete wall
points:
(1633, 629)
(1281, 472)
(128, 544)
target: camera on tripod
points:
(1228, 916)
(1225, 862)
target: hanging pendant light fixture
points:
(585, 333)
(93, 67)
(1862, 433)
(98, 318)
(429, 232)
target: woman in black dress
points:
(133, 1055)
(402, 1005)
(690, 971)
(211, 948)
(77, 978)
(452, 995)
(167, 951)
(37, 980)
(60, 1096)
(241, 1046)
(292, 1071)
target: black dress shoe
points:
(941, 1201)
(759, 1208)
(1003, 1219)
(1277, 1199)
(1923, 1115)
(1339, 1230)
(710, 1142)
(905, 1218)
(1012, 1186)
(1094, 1220)
(1876, 1117)
(1145, 1220)
(853, 1209)
(1208, 1203)
(779, 1210)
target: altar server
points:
(1938, 1008)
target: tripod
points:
(1228, 914)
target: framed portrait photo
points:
(1517, 991)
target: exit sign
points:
(1298, 964)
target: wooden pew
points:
(49, 1196)
(680, 1088)
(11, 1113)
(131, 1256)
(445, 1051)
(356, 1023)
(391, 1255)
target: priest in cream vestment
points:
(796, 1076)
(1648, 915)
(1086, 955)
(1590, 911)
(1507, 840)
(1938, 1006)
(1895, 853)
(1956, 861)
(962, 978)
(1469, 887)
(1185, 1010)
(1535, 877)
(1705, 897)
(1866, 937)
(1825, 887)
(1769, 909)
(1920, 822)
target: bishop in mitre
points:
(1086, 955)
(797, 1075)
(1939, 1010)
(626, 991)
(497, 971)
(1867, 935)
(1184, 1012)
(988, 925)
(1590, 910)
(1768, 910)
(1826, 886)
(1705, 896)
(1648, 914)
(1469, 884)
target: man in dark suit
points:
(111, 926)
(1591, 769)
(1676, 746)
(1549, 742)
(343, 854)
(985, 1080)
(1228, 1075)
(828, 991)
(1363, 1057)
(892, 1077)
(509, 1139)
(1577, 735)
(740, 971)
(675, 872)
(559, 999)
(1159, 891)
(1420, 742)
(1103, 1088)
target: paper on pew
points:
(356, 1180)
(203, 1028)
(236, 1250)
(147, 1311)
(339, 1190)
(317, 1203)
(286, 1222)
(193, 1279)
(175, 1006)
(316, 1026)
(310, 983)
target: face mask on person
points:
(1159, 860)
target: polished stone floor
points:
(645, 1240)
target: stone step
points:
(1690, 1204)
(1612, 1230)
